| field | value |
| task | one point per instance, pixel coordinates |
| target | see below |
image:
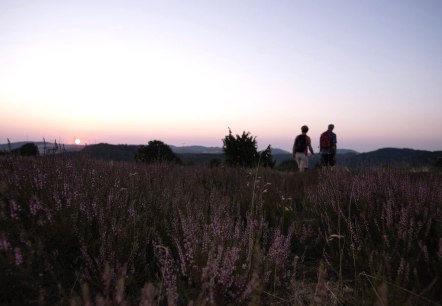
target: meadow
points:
(87, 232)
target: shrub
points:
(156, 151)
(242, 151)
(28, 149)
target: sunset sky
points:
(183, 72)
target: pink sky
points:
(126, 72)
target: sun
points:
(77, 141)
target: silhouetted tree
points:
(242, 151)
(28, 149)
(156, 151)
(266, 159)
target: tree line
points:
(239, 151)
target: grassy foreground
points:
(84, 232)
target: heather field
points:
(85, 232)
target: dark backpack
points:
(324, 140)
(300, 143)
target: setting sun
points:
(145, 70)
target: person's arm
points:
(333, 145)
(293, 150)
(310, 146)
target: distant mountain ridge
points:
(203, 155)
(48, 146)
(196, 149)
(193, 149)
(395, 156)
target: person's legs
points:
(305, 162)
(299, 161)
(302, 161)
(327, 160)
(323, 160)
(332, 161)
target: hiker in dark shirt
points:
(327, 144)
(301, 146)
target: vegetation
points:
(105, 151)
(242, 151)
(81, 231)
(156, 151)
(266, 158)
(28, 149)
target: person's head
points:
(331, 127)
(304, 129)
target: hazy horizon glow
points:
(126, 72)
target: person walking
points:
(327, 145)
(301, 146)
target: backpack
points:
(324, 140)
(300, 143)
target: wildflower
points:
(15, 209)
(18, 256)
(4, 244)
(35, 206)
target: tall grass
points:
(77, 231)
(383, 225)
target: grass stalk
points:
(252, 234)
(418, 296)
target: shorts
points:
(302, 160)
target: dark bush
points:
(156, 151)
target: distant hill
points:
(346, 151)
(42, 146)
(196, 150)
(204, 155)
(394, 156)
(105, 151)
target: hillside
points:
(205, 155)
(47, 147)
(392, 156)
(106, 151)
